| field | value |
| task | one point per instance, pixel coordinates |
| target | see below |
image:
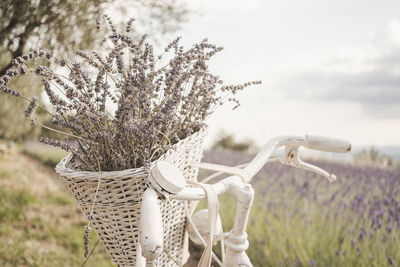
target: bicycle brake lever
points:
(293, 159)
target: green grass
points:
(279, 239)
(46, 154)
(40, 225)
(13, 204)
(5, 174)
(39, 222)
(300, 220)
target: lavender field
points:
(300, 219)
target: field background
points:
(297, 218)
(327, 67)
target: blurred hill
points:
(393, 151)
(40, 224)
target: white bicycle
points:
(205, 225)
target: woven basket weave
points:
(117, 208)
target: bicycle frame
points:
(238, 185)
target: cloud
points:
(219, 5)
(393, 31)
(369, 75)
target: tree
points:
(372, 156)
(68, 25)
(227, 141)
(13, 124)
(64, 26)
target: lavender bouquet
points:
(124, 106)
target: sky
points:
(328, 67)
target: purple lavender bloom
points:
(391, 261)
(363, 232)
(337, 252)
(353, 242)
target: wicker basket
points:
(117, 208)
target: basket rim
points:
(62, 169)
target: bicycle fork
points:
(236, 243)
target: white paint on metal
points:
(167, 177)
(151, 230)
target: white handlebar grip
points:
(327, 144)
(151, 230)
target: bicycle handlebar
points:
(237, 184)
(309, 141)
(327, 144)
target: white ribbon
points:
(213, 210)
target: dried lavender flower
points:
(30, 110)
(56, 143)
(10, 91)
(22, 70)
(129, 25)
(86, 241)
(63, 62)
(156, 105)
(49, 54)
